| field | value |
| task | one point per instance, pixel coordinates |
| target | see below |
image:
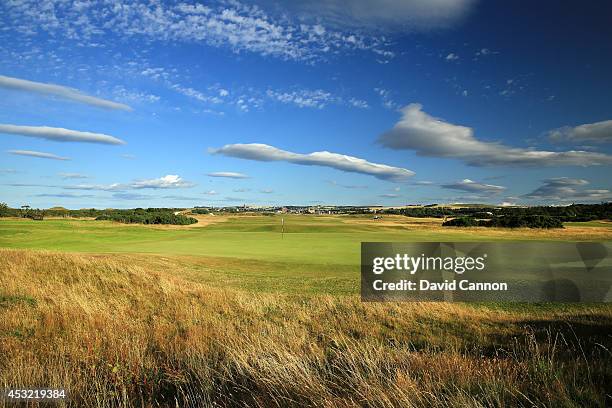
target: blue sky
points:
(110, 104)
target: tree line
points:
(574, 212)
(146, 216)
(511, 221)
(24, 212)
(510, 217)
(131, 216)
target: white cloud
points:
(358, 103)
(192, 93)
(303, 99)
(155, 73)
(40, 155)
(165, 182)
(317, 99)
(451, 57)
(385, 96)
(263, 152)
(228, 24)
(389, 195)
(247, 98)
(430, 136)
(474, 187)
(193, 9)
(567, 189)
(60, 91)
(483, 52)
(512, 86)
(124, 94)
(228, 174)
(598, 132)
(60, 134)
(211, 192)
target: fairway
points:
(307, 239)
(316, 254)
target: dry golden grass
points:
(394, 221)
(118, 332)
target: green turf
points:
(317, 254)
(307, 239)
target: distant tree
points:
(25, 210)
(37, 215)
(4, 210)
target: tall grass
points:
(115, 332)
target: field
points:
(321, 253)
(230, 312)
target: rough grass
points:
(118, 332)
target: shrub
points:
(517, 221)
(148, 216)
(528, 221)
(461, 222)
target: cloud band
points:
(60, 134)
(433, 137)
(263, 152)
(60, 91)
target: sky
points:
(108, 104)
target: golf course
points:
(239, 310)
(319, 251)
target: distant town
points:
(330, 209)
